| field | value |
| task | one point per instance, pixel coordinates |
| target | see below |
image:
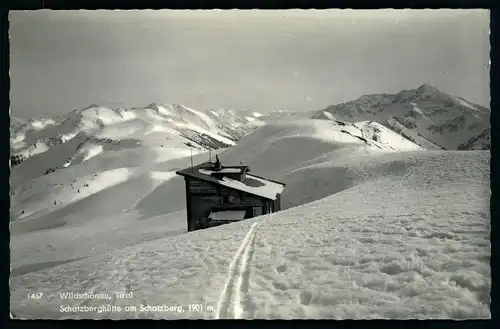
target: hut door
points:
(257, 211)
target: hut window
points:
(225, 199)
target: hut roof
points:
(252, 184)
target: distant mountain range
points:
(426, 116)
(171, 130)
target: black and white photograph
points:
(250, 164)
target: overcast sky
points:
(266, 60)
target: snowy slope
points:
(281, 116)
(237, 118)
(385, 136)
(49, 144)
(441, 119)
(410, 241)
(283, 150)
(117, 182)
(124, 230)
(15, 122)
(397, 125)
(93, 171)
(82, 211)
(479, 142)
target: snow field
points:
(90, 151)
(192, 270)
(273, 149)
(42, 123)
(410, 245)
(36, 251)
(31, 197)
(390, 248)
(386, 137)
(120, 198)
(327, 163)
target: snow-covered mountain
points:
(425, 115)
(372, 227)
(479, 142)
(377, 222)
(41, 146)
(286, 116)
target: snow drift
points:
(287, 152)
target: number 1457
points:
(35, 295)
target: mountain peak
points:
(427, 88)
(153, 106)
(91, 106)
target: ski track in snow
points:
(236, 284)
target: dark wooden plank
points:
(202, 206)
(188, 207)
(202, 187)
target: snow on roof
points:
(268, 190)
(227, 215)
(230, 170)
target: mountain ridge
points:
(84, 133)
(445, 120)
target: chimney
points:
(192, 165)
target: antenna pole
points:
(192, 167)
